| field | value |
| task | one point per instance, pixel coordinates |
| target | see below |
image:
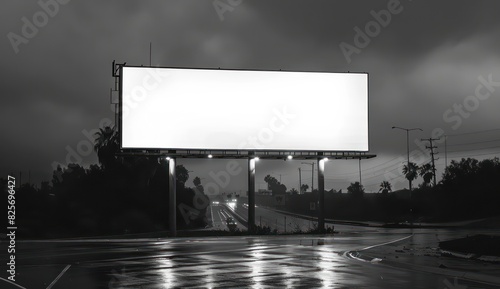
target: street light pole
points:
(408, 150)
(408, 146)
(445, 152)
(172, 179)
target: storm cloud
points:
(423, 61)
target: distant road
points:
(220, 213)
(276, 220)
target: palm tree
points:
(356, 189)
(411, 172)
(142, 168)
(106, 145)
(385, 187)
(197, 181)
(103, 136)
(426, 172)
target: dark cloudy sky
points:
(429, 58)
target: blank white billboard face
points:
(167, 108)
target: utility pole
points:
(360, 172)
(431, 147)
(277, 175)
(312, 179)
(407, 147)
(300, 182)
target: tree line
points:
(469, 188)
(121, 194)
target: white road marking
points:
(386, 243)
(58, 277)
(353, 254)
(212, 215)
(8, 281)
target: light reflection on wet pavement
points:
(295, 261)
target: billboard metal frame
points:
(235, 153)
(246, 154)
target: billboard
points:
(215, 109)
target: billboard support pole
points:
(321, 195)
(172, 179)
(251, 195)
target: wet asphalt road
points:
(282, 223)
(235, 262)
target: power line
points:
(476, 149)
(430, 159)
(376, 173)
(367, 178)
(372, 176)
(367, 169)
(396, 158)
(475, 155)
(474, 132)
(401, 176)
(431, 147)
(384, 172)
(390, 179)
(472, 143)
